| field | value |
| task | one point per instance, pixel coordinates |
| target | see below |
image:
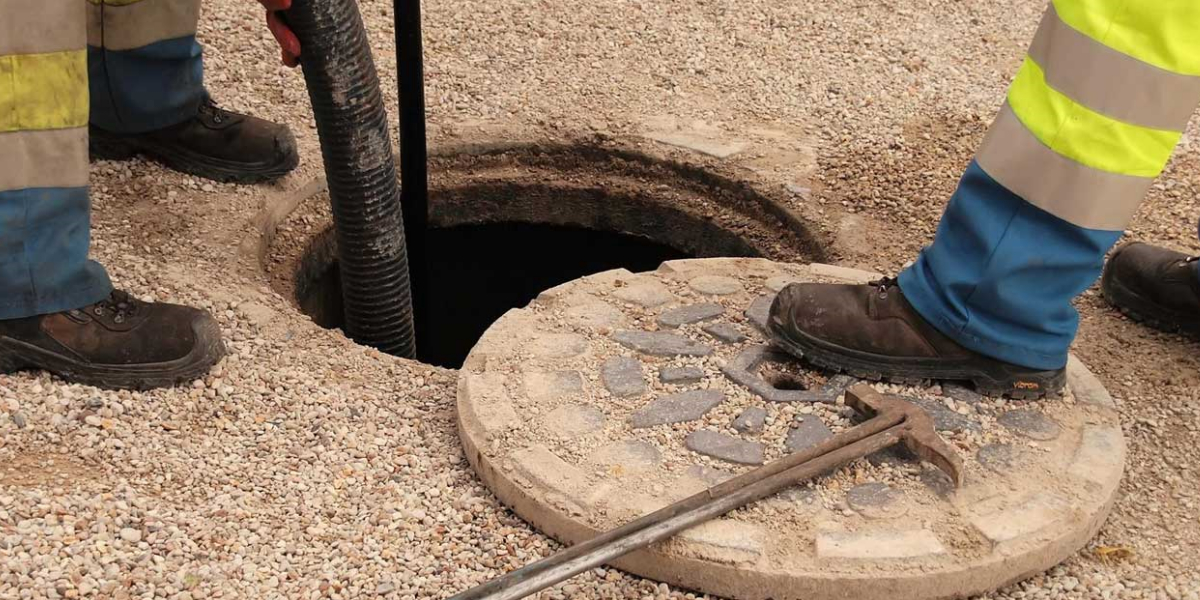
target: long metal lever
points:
(883, 431)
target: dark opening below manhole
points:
(512, 223)
(479, 272)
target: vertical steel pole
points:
(414, 176)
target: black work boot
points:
(119, 342)
(872, 332)
(1155, 286)
(215, 144)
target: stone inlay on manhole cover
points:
(614, 395)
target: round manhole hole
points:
(616, 394)
(512, 222)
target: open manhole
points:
(624, 368)
(510, 223)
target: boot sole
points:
(994, 379)
(16, 355)
(106, 146)
(1144, 311)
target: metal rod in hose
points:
(361, 171)
(414, 154)
(870, 437)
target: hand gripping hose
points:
(360, 169)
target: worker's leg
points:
(58, 311)
(1156, 286)
(1092, 117)
(44, 210)
(148, 97)
(145, 64)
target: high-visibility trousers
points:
(1092, 117)
(144, 68)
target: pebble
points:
(997, 457)
(622, 376)
(657, 343)
(875, 500)
(646, 295)
(631, 455)
(676, 408)
(574, 420)
(690, 313)
(1031, 424)
(725, 332)
(715, 285)
(725, 447)
(945, 419)
(962, 394)
(751, 420)
(680, 375)
(808, 432)
(759, 312)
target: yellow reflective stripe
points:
(132, 26)
(39, 159)
(1110, 82)
(1083, 135)
(1164, 33)
(1075, 193)
(38, 27)
(43, 91)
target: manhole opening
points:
(508, 225)
(479, 272)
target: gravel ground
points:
(305, 467)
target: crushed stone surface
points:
(307, 467)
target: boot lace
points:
(214, 112)
(884, 286)
(119, 304)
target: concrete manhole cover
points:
(619, 393)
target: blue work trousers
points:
(125, 67)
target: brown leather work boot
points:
(872, 332)
(1155, 286)
(215, 144)
(119, 342)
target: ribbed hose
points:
(352, 124)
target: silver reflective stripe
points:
(40, 26)
(129, 26)
(1075, 193)
(1110, 82)
(47, 158)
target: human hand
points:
(288, 42)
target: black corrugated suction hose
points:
(352, 123)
